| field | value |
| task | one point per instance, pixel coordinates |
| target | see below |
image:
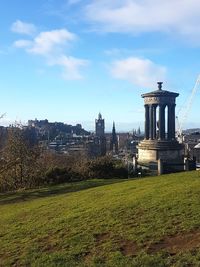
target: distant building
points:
(38, 123)
(196, 152)
(138, 131)
(191, 142)
(99, 145)
(100, 126)
(114, 147)
(52, 130)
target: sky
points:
(68, 60)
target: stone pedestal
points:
(170, 152)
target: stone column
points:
(151, 121)
(161, 122)
(169, 122)
(146, 126)
(173, 121)
(160, 166)
(154, 121)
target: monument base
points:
(170, 153)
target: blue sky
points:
(66, 60)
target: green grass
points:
(148, 222)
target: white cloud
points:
(51, 45)
(71, 66)
(173, 16)
(140, 72)
(46, 42)
(22, 43)
(23, 27)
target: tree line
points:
(27, 165)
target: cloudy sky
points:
(68, 60)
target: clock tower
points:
(99, 126)
(100, 139)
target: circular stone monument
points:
(159, 142)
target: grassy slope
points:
(148, 222)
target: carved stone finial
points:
(159, 85)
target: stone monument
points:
(160, 146)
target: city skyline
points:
(69, 60)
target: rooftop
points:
(159, 92)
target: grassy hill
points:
(148, 222)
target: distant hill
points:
(148, 222)
(193, 130)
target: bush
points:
(62, 175)
(121, 172)
(57, 175)
(106, 167)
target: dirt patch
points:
(50, 247)
(101, 238)
(178, 243)
(47, 244)
(128, 248)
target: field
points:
(152, 221)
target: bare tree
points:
(18, 160)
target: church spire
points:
(113, 129)
(114, 140)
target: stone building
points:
(100, 126)
(99, 145)
(160, 149)
(196, 153)
(114, 147)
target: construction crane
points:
(179, 134)
(187, 109)
(2, 115)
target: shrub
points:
(106, 167)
